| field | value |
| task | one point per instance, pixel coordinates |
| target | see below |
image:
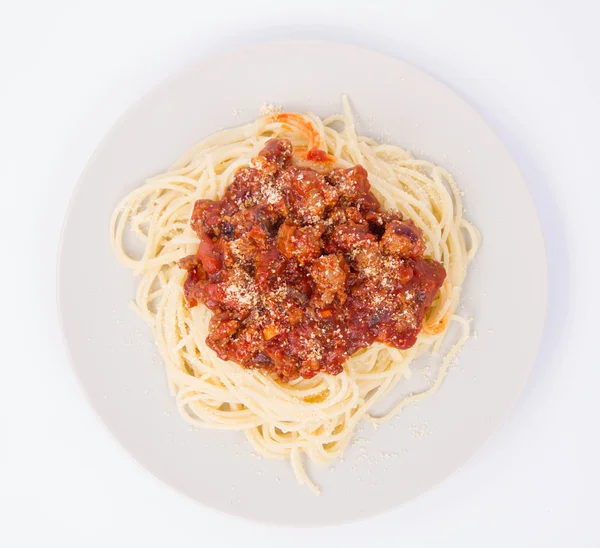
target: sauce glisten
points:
(302, 268)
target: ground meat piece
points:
(206, 217)
(352, 183)
(300, 242)
(349, 236)
(402, 238)
(329, 273)
(223, 327)
(189, 262)
(268, 267)
(277, 152)
(308, 194)
(245, 188)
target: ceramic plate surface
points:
(117, 363)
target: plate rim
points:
(156, 88)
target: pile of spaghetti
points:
(314, 416)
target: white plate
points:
(113, 354)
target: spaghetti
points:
(312, 416)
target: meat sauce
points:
(301, 267)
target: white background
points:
(69, 69)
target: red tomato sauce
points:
(303, 268)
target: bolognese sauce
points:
(302, 267)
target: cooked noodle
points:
(317, 416)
